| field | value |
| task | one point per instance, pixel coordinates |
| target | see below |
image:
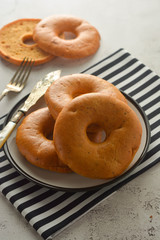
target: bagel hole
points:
(68, 35)
(28, 40)
(49, 136)
(96, 133)
(81, 92)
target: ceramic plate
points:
(71, 181)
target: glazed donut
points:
(47, 35)
(14, 39)
(33, 141)
(61, 92)
(104, 160)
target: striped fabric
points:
(49, 211)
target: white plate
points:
(71, 181)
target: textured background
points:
(133, 212)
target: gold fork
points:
(19, 79)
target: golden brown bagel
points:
(35, 141)
(62, 91)
(103, 160)
(13, 42)
(34, 144)
(47, 35)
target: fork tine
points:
(18, 71)
(20, 77)
(21, 72)
(26, 73)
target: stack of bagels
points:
(87, 126)
(94, 131)
(41, 40)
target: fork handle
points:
(4, 93)
(8, 129)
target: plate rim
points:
(66, 189)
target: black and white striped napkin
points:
(50, 211)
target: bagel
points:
(63, 91)
(34, 140)
(104, 160)
(47, 35)
(13, 42)
(34, 143)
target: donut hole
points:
(28, 40)
(96, 133)
(68, 35)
